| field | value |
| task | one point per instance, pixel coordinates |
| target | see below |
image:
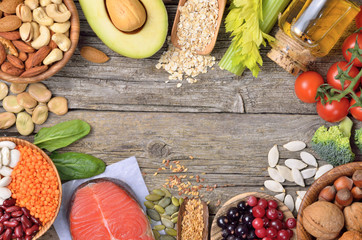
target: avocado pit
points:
(126, 15)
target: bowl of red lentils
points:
(30, 190)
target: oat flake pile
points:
(198, 21)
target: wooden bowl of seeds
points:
(42, 72)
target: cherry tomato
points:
(306, 86)
(350, 43)
(356, 111)
(334, 111)
(359, 18)
(333, 72)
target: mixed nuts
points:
(34, 38)
(32, 107)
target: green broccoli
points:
(333, 144)
(358, 139)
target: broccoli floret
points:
(333, 144)
(358, 139)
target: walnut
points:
(323, 220)
(353, 216)
(351, 235)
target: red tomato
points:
(334, 111)
(356, 111)
(359, 18)
(306, 86)
(333, 72)
(349, 43)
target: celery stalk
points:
(270, 12)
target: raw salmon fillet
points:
(105, 211)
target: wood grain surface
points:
(227, 123)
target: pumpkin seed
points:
(298, 201)
(168, 223)
(285, 172)
(164, 202)
(275, 175)
(174, 220)
(295, 163)
(308, 159)
(159, 192)
(274, 186)
(153, 214)
(308, 173)
(149, 204)
(294, 146)
(175, 202)
(174, 215)
(167, 193)
(167, 237)
(280, 196)
(166, 216)
(159, 209)
(181, 200)
(289, 202)
(273, 156)
(156, 234)
(322, 170)
(301, 194)
(171, 209)
(298, 178)
(153, 197)
(171, 231)
(159, 227)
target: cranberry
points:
(258, 223)
(277, 224)
(291, 223)
(266, 222)
(263, 202)
(272, 213)
(272, 204)
(291, 233)
(280, 215)
(252, 201)
(283, 235)
(260, 233)
(258, 211)
(267, 238)
(271, 232)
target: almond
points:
(23, 56)
(29, 61)
(93, 55)
(15, 35)
(23, 47)
(52, 44)
(34, 71)
(10, 69)
(40, 55)
(9, 23)
(2, 54)
(9, 6)
(15, 61)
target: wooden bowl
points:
(216, 230)
(22, 142)
(74, 37)
(205, 233)
(312, 194)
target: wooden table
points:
(225, 122)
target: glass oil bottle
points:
(309, 29)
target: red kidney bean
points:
(2, 228)
(5, 217)
(26, 222)
(26, 212)
(9, 202)
(18, 231)
(12, 209)
(17, 213)
(11, 224)
(7, 234)
(28, 237)
(32, 230)
(35, 220)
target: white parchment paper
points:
(127, 171)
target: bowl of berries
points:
(252, 216)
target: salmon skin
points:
(105, 209)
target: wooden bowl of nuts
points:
(37, 38)
(328, 201)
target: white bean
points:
(5, 193)
(15, 156)
(5, 152)
(5, 181)
(6, 172)
(7, 144)
(1, 201)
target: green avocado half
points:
(142, 44)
